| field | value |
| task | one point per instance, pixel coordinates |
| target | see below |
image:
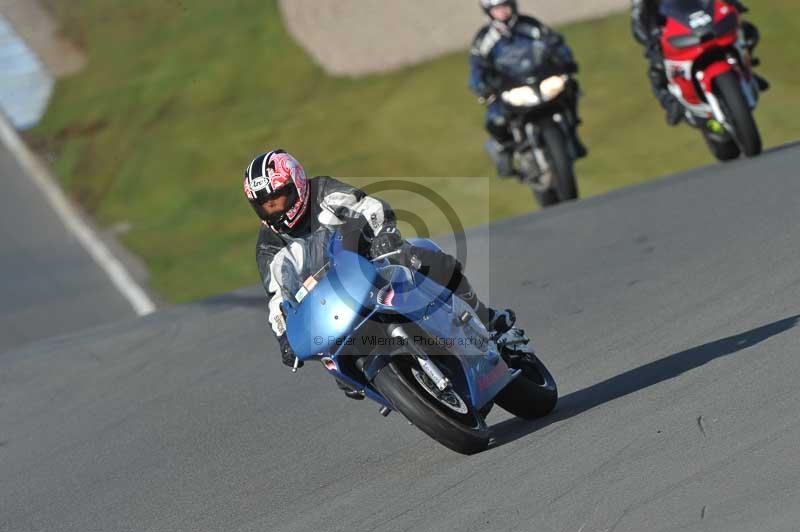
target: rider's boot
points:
(674, 108)
(580, 148)
(514, 346)
(763, 84)
(496, 322)
(501, 321)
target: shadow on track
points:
(640, 378)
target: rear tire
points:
(461, 432)
(555, 143)
(533, 394)
(729, 91)
(546, 198)
(722, 150)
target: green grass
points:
(178, 96)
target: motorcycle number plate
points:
(700, 19)
(308, 286)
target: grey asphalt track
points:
(668, 314)
(49, 285)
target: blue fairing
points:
(335, 307)
(430, 307)
(353, 290)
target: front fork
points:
(530, 156)
(749, 89)
(430, 369)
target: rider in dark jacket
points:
(500, 51)
(646, 25)
(299, 215)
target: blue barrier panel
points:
(25, 83)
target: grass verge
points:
(178, 96)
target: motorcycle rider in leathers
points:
(646, 25)
(298, 216)
(499, 50)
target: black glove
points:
(484, 92)
(287, 354)
(356, 234)
(386, 241)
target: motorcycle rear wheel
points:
(533, 394)
(722, 150)
(446, 423)
(546, 198)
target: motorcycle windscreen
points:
(525, 61)
(336, 305)
(690, 13)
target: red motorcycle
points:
(709, 68)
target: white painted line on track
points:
(40, 175)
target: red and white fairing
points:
(693, 86)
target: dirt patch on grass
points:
(78, 130)
(354, 37)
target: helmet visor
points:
(275, 218)
(262, 196)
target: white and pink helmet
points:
(274, 173)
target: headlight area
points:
(523, 96)
(552, 87)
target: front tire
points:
(531, 173)
(533, 394)
(555, 143)
(457, 426)
(737, 111)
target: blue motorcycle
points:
(410, 345)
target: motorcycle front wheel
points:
(729, 90)
(564, 183)
(444, 416)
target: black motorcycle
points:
(539, 108)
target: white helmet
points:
(487, 5)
